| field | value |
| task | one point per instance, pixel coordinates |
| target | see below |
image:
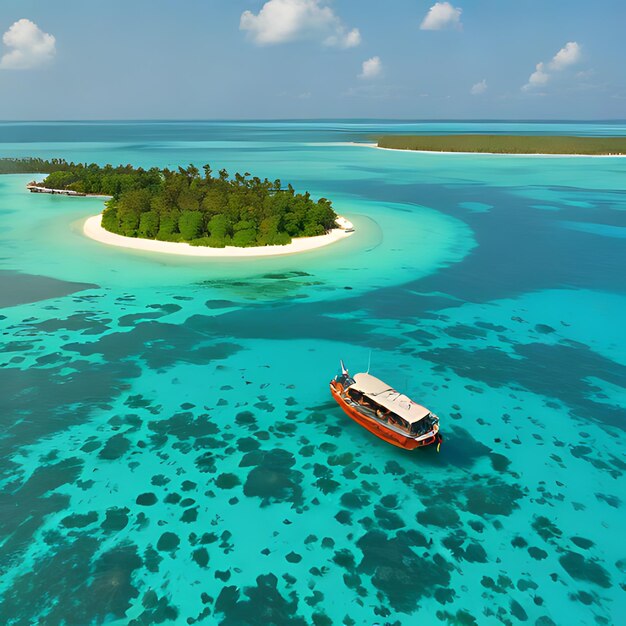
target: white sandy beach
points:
(92, 227)
(502, 154)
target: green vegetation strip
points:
(186, 206)
(32, 166)
(506, 144)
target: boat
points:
(385, 412)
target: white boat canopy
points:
(387, 397)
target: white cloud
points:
(442, 15)
(568, 55)
(479, 87)
(28, 46)
(281, 21)
(343, 39)
(372, 68)
(537, 78)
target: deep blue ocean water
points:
(170, 453)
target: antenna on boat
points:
(369, 362)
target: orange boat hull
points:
(386, 434)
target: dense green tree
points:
(214, 201)
(148, 225)
(183, 205)
(268, 231)
(129, 208)
(110, 220)
(168, 226)
(190, 225)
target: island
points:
(190, 208)
(507, 144)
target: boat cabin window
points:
(423, 426)
(357, 396)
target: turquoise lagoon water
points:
(169, 450)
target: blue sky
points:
(214, 59)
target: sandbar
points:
(92, 228)
(503, 154)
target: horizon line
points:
(314, 119)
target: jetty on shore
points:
(35, 188)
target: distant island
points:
(185, 206)
(507, 144)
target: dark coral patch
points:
(156, 610)
(53, 399)
(581, 568)
(245, 419)
(219, 304)
(545, 528)
(115, 448)
(131, 318)
(201, 557)
(327, 485)
(537, 553)
(73, 586)
(146, 499)
(190, 515)
(582, 542)
(116, 519)
(462, 331)
(273, 478)
(86, 322)
(79, 521)
(493, 498)
(32, 502)
(544, 329)
(460, 618)
(112, 581)
(91, 446)
(168, 308)
(542, 369)
(499, 462)
(475, 553)
(440, 515)
(206, 462)
(160, 345)
(227, 481)
(389, 520)
(354, 499)
(518, 612)
(247, 444)
(394, 468)
(263, 605)
(168, 541)
(398, 572)
(389, 501)
(185, 426)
